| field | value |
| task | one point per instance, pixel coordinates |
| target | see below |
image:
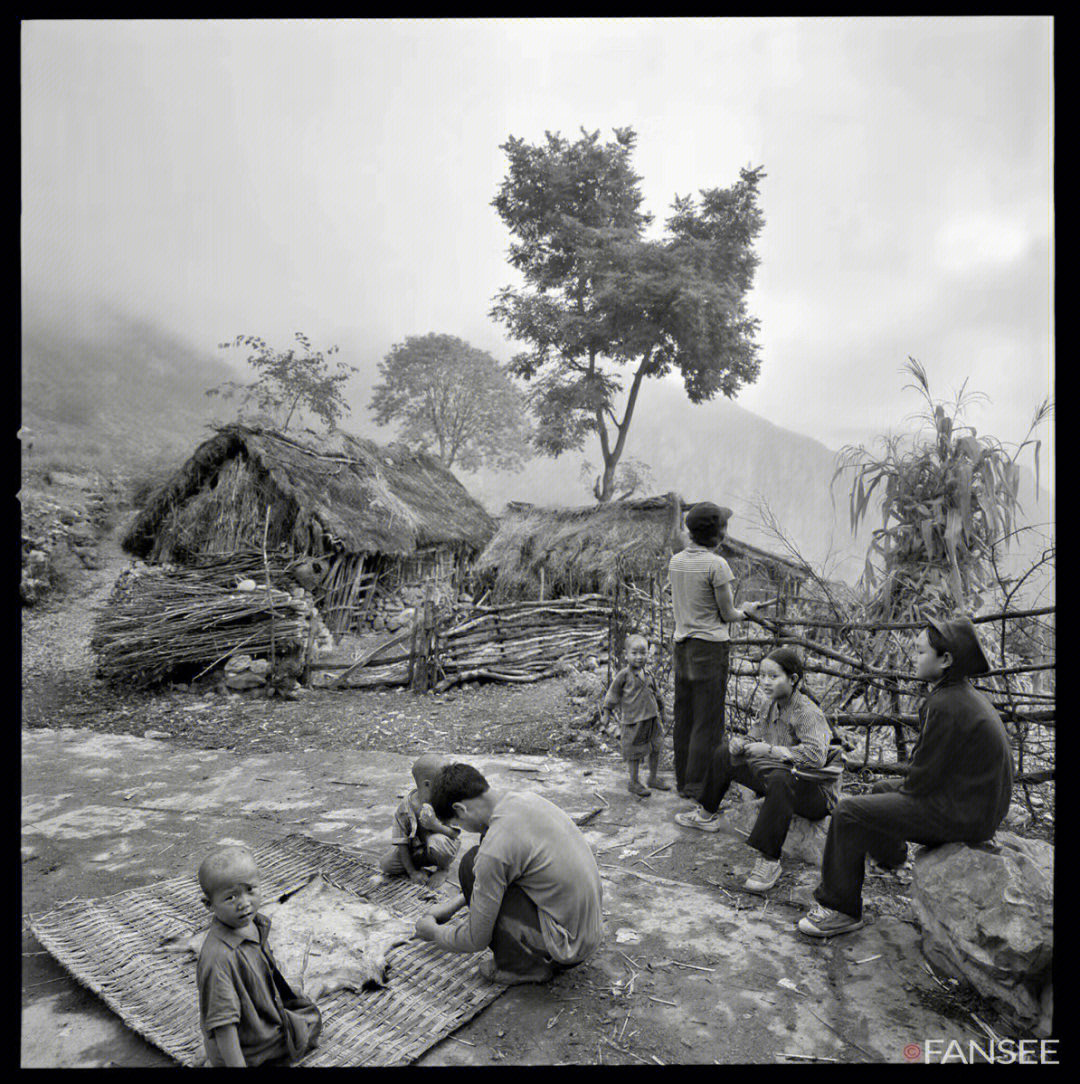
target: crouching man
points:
(531, 886)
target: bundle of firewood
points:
(523, 642)
(161, 621)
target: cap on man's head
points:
(962, 643)
(707, 519)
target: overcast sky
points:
(337, 178)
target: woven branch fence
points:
(862, 674)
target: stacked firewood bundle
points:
(163, 622)
(524, 641)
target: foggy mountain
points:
(137, 392)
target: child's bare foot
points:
(634, 787)
(512, 978)
(656, 783)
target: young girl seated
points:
(786, 757)
(957, 788)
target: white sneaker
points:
(763, 876)
(698, 818)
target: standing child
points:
(633, 690)
(957, 787)
(248, 1012)
(419, 838)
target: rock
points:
(805, 839)
(400, 620)
(159, 734)
(244, 680)
(987, 915)
(260, 667)
(247, 585)
(237, 663)
(1044, 1029)
(37, 562)
(379, 623)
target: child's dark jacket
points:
(962, 763)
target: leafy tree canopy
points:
(289, 380)
(599, 297)
(454, 399)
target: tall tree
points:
(455, 399)
(289, 380)
(601, 299)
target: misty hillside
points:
(136, 389)
(114, 390)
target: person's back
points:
(963, 762)
(545, 853)
(695, 574)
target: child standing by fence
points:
(635, 694)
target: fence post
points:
(423, 655)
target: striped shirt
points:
(697, 575)
(798, 726)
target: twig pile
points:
(162, 619)
(525, 641)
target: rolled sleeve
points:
(489, 887)
(402, 830)
(220, 1003)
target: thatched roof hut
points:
(578, 550)
(337, 496)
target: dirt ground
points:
(120, 790)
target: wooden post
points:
(541, 583)
(421, 662)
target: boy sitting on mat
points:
(634, 694)
(419, 838)
(532, 886)
(248, 1012)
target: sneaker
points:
(698, 818)
(825, 922)
(763, 876)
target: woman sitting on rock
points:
(786, 757)
(957, 787)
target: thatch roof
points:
(360, 496)
(589, 549)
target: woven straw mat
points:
(112, 945)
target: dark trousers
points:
(878, 824)
(785, 797)
(517, 934)
(701, 671)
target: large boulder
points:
(987, 915)
(805, 839)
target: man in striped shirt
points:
(704, 608)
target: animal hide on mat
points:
(323, 938)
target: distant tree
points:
(631, 476)
(289, 380)
(948, 498)
(599, 296)
(453, 399)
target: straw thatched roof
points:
(360, 497)
(591, 548)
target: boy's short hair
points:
(455, 783)
(218, 862)
(427, 766)
(636, 638)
